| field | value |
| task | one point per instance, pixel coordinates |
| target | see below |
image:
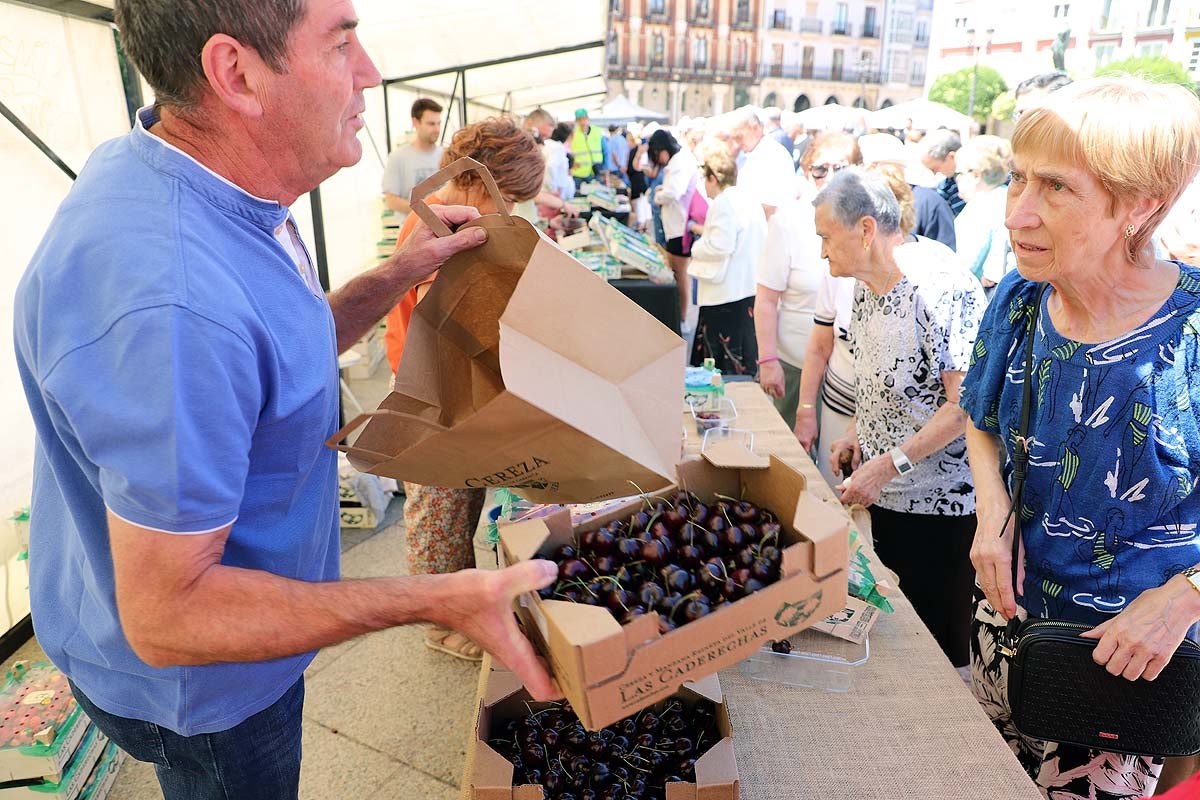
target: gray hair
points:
(941, 143)
(853, 194)
(164, 40)
(747, 115)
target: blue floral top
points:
(1110, 506)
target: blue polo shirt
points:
(182, 373)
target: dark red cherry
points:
(572, 568)
(629, 549)
(565, 552)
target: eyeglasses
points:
(819, 171)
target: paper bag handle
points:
(334, 441)
(426, 187)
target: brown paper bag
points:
(522, 369)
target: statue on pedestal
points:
(1058, 50)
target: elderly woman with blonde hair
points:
(1107, 523)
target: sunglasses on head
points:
(819, 171)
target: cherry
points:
(753, 585)
(605, 565)
(654, 552)
(696, 608)
(550, 737)
(620, 600)
(603, 542)
(744, 558)
(651, 595)
(782, 646)
(716, 524)
(640, 521)
(700, 513)
(764, 570)
(680, 580)
(675, 517)
(629, 549)
(565, 552)
(752, 533)
(572, 568)
(690, 556)
(732, 539)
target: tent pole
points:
(318, 223)
(387, 118)
(463, 111)
(25, 131)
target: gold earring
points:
(866, 245)
(1130, 231)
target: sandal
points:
(452, 643)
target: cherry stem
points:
(642, 492)
(681, 601)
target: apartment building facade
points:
(704, 57)
(1016, 37)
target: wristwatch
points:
(1193, 577)
(901, 462)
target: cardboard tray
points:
(74, 778)
(36, 698)
(504, 698)
(609, 671)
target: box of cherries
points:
(680, 748)
(40, 723)
(678, 585)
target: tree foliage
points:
(1153, 68)
(954, 90)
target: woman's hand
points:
(569, 210)
(991, 553)
(1138, 642)
(770, 378)
(845, 448)
(865, 483)
(806, 428)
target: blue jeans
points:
(256, 760)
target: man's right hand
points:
(480, 606)
(424, 252)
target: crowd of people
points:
(184, 537)
(881, 290)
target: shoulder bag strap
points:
(1020, 455)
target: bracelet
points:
(767, 360)
(807, 405)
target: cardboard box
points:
(42, 724)
(609, 671)
(503, 698)
(356, 516)
(74, 778)
(104, 775)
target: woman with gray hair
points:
(911, 335)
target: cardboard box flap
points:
(489, 769)
(716, 768)
(708, 687)
(734, 453)
(587, 624)
(616, 380)
(501, 684)
(829, 530)
(522, 540)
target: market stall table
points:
(908, 727)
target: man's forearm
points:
(361, 303)
(231, 614)
(766, 322)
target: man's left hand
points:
(1138, 642)
(865, 483)
(424, 252)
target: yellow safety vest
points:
(588, 150)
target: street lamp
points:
(864, 65)
(975, 68)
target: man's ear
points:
(235, 74)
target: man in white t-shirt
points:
(767, 172)
(409, 165)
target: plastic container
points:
(722, 416)
(817, 661)
(714, 436)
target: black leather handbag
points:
(1058, 693)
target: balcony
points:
(837, 28)
(810, 25)
(870, 32)
(781, 23)
(743, 23)
(847, 74)
(661, 71)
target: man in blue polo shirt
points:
(180, 361)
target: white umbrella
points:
(925, 115)
(831, 117)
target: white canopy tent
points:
(925, 115)
(621, 110)
(831, 116)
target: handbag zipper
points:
(1010, 651)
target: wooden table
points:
(908, 727)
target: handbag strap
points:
(1020, 455)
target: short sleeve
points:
(825, 312)
(165, 404)
(775, 264)
(1000, 335)
(954, 318)
(394, 173)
